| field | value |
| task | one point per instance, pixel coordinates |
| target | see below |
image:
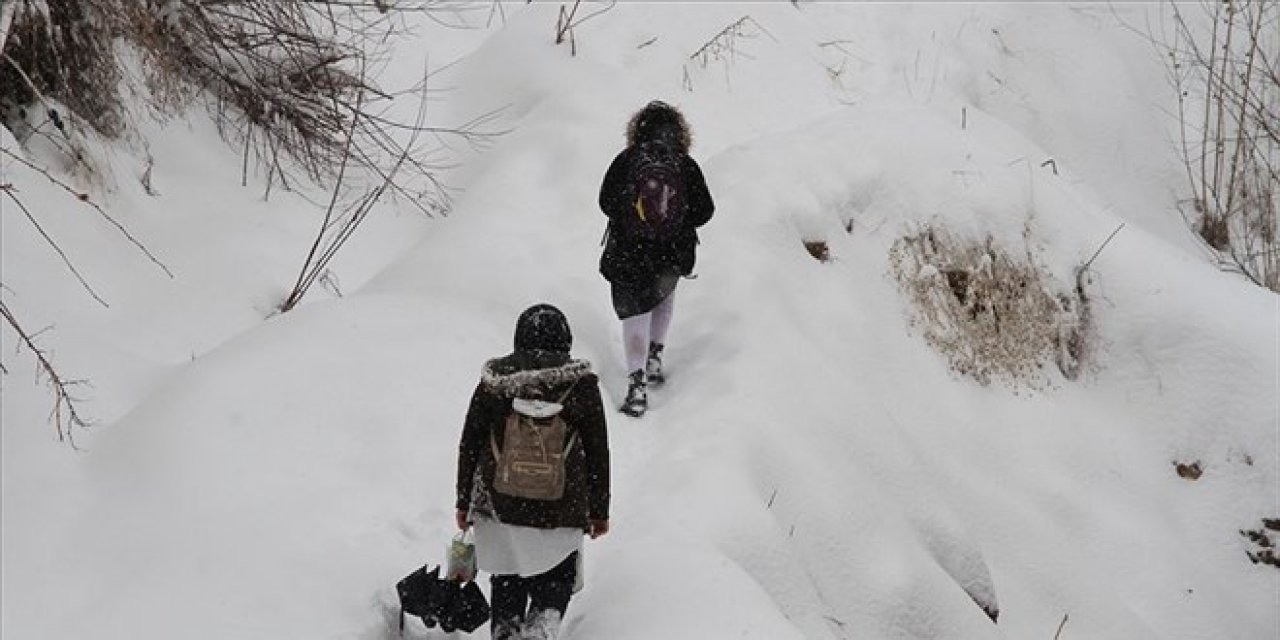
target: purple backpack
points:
(658, 205)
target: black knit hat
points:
(543, 327)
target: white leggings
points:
(639, 330)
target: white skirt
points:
(507, 549)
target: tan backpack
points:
(531, 463)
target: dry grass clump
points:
(994, 315)
(1189, 471)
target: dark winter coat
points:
(544, 375)
(636, 261)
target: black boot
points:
(637, 396)
(653, 366)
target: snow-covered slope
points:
(812, 469)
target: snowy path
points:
(812, 470)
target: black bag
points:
(423, 594)
(450, 604)
(467, 610)
(658, 192)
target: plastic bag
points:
(460, 563)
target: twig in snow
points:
(65, 416)
(84, 197)
(1100, 248)
(724, 45)
(8, 190)
(566, 23)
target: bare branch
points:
(1060, 626)
(1228, 92)
(65, 414)
(1089, 262)
(84, 197)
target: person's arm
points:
(701, 206)
(474, 437)
(614, 199)
(595, 444)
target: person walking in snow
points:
(533, 474)
(655, 198)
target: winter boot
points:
(506, 630)
(542, 625)
(637, 396)
(653, 366)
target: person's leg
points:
(635, 340)
(549, 599)
(660, 320)
(659, 325)
(509, 597)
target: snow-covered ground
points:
(813, 469)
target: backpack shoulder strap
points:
(573, 433)
(493, 438)
(565, 396)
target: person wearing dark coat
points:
(643, 271)
(531, 547)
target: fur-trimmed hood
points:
(659, 120)
(506, 378)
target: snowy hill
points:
(813, 469)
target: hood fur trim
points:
(683, 136)
(532, 382)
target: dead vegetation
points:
(818, 249)
(996, 316)
(1189, 470)
(287, 82)
(1223, 59)
(568, 19)
(1264, 552)
(725, 47)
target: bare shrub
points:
(993, 315)
(1224, 61)
(287, 81)
(291, 79)
(724, 47)
(60, 50)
